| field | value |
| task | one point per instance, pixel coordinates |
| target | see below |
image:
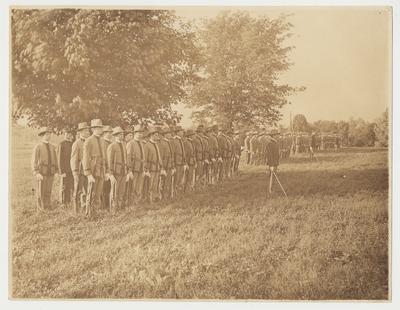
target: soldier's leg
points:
(39, 196)
(106, 195)
(62, 191)
(139, 186)
(120, 191)
(134, 193)
(166, 190)
(98, 193)
(75, 195)
(48, 185)
(69, 188)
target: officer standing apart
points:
(44, 166)
(64, 168)
(80, 181)
(95, 166)
(272, 153)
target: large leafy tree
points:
(70, 65)
(300, 123)
(243, 57)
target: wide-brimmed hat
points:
(151, 130)
(178, 128)
(165, 130)
(189, 132)
(138, 128)
(273, 132)
(96, 123)
(43, 130)
(200, 128)
(107, 129)
(83, 125)
(117, 130)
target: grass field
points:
(328, 241)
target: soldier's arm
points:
(110, 159)
(86, 159)
(74, 162)
(35, 162)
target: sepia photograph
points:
(200, 153)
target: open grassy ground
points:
(329, 241)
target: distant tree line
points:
(354, 132)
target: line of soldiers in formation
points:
(114, 169)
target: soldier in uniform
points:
(167, 155)
(190, 153)
(44, 166)
(237, 149)
(213, 153)
(205, 171)
(63, 160)
(228, 161)
(80, 181)
(153, 165)
(107, 136)
(198, 145)
(247, 147)
(95, 166)
(222, 152)
(272, 153)
(179, 158)
(135, 162)
(118, 172)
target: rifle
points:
(173, 185)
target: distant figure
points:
(44, 166)
(313, 146)
(272, 153)
(107, 136)
(64, 168)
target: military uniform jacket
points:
(236, 147)
(77, 156)
(153, 162)
(213, 146)
(198, 148)
(64, 150)
(189, 151)
(135, 155)
(44, 159)
(206, 147)
(272, 150)
(222, 146)
(229, 146)
(167, 153)
(94, 157)
(116, 157)
(179, 151)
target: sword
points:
(276, 177)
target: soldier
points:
(44, 166)
(272, 152)
(190, 175)
(135, 162)
(205, 171)
(179, 158)
(222, 152)
(80, 181)
(228, 162)
(213, 154)
(313, 145)
(167, 155)
(64, 168)
(237, 149)
(198, 145)
(107, 136)
(95, 166)
(153, 165)
(118, 172)
(247, 147)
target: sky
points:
(342, 56)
